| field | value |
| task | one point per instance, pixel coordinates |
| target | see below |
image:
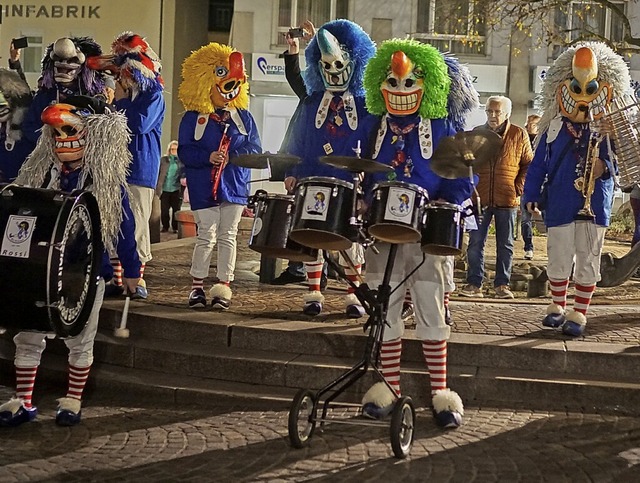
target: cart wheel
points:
(403, 418)
(302, 419)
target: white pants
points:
(141, 205)
(427, 286)
(217, 224)
(30, 345)
(580, 241)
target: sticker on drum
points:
(316, 203)
(257, 226)
(17, 236)
(399, 205)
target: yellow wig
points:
(198, 79)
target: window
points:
(455, 26)
(220, 14)
(585, 20)
(32, 55)
(291, 13)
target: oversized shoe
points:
(378, 401)
(69, 412)
(313, 303)
(353, 307)
(574, 324)
(447, 409)
(14, 413)
(220, 295)
(555, 316)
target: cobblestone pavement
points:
(241, 440)
(614, 316)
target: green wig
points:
(425, 57)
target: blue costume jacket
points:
(564, 200)
(416, 169)
(11, 160)
(310, 143)
(145, 114)
(32, 123)
(194, 153)
(126, 246)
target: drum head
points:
(441, 250)
(72, 292)
(322, 240)
(394, 233)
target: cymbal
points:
(351, 163)
(262, 161)
(455, 154)
(255, 161)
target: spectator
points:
(14, 61)
(215, 128)
(501, 183)
(295, 272)
(101, 171)
(169, 187)
(15, 98)
(526, 218)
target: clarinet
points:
(216, 172)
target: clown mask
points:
(229, 78)
(403, 88)
(584, 98)
(69, 131)
(335, 64)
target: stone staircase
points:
(176, 355)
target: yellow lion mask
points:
(214, 77)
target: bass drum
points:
(50, 259)
(270, 232)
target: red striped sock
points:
(314, 273)
(435, 354)
(390, 352)
(446, 298)
(353, 277)
(142, 265)
(25, 380)
(197, 283)
(559, 291)
(77, 379)
(583, 298)
(407, 297)
(117, 271)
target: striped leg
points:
(435, 355)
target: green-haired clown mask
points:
(405, 77)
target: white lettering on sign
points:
(22, 10)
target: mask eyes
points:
(221, 71)
(592, 87)
(574, 86)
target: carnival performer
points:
(64, 73)
(574, 159)
(422, 97)
(332, 120)
(216, 127)
(139, 94)
(15, 98)
(62, 161)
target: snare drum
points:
(50, 259)
(396, 212)
(323, 212)
(442, 229)
(270, 232)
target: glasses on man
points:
(491, 112)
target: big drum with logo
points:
(50, 258)
(396, 211)
(324, 210)
(271, 226)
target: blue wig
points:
(360, 46)
(463, 97)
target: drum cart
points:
(303, 415)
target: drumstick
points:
(122, 331)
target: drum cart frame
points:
(303, 415)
